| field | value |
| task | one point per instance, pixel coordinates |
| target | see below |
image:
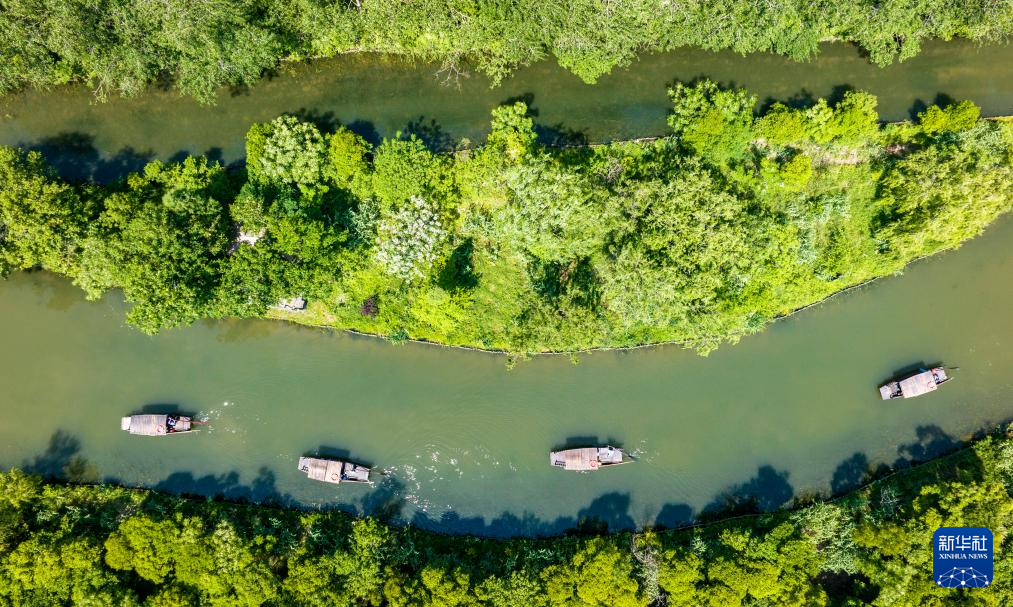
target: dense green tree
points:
(161, 239)
(347, 153)
(293, 153)
(599, 575)
(954, 117)
(711, 121)
(42, 220)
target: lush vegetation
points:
(121, 46)
(104, 545)
(699, 237)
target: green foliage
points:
(830, 527)
(940, 195)
(293, 153)
(781, 125)
(701, 237)
(105, 545)
(955, 117)
(42, 220)
(550, 213)
(853, 121)
(792, 174)
(161, 239)
(599, 575)
(347, 154)
(774, 569)
(121, 47)
(410, 239)
(512, 135)
(404, 168)
(143, 545)
(713, 122)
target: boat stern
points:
(125, 424)
(889, 391)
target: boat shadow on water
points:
(576, 442)
(161, 409)
(767, 490)
(908, 370)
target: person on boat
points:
(170, 423)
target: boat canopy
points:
(916, 385)
(153, 425)
(586, 458)
(321, 469)
(333, 471)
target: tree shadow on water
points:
(607, 513)
(920, 105)
(850, 474)
(765, 492)
(263, 488)
(55, 294)
(560, 136)
(431, 133)
(931, 443)
(528, 99)
(673, 516)
(74, 157)
(62, 460)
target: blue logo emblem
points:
(962, 557)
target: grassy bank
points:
(700, 237)
(106, 545)
(122, 46)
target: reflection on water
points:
(464, 440)
(377, 96)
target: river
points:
(465, 439)
(377, 96)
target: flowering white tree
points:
(294, 153)
(409, 239)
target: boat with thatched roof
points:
(157, 424)
(333, 470)
(587, 459)
(922, 382)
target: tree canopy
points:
(118, 47)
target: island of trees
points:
(122, 46)
(106, 545)
(699, 237)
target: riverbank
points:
(699, 238)
(235, 44)
(63, 543)
(84, 140)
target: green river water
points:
(465, 440)
(378, 96)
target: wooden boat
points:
(922, 382)
(333, 470)
(586, 459)
(157, 425)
